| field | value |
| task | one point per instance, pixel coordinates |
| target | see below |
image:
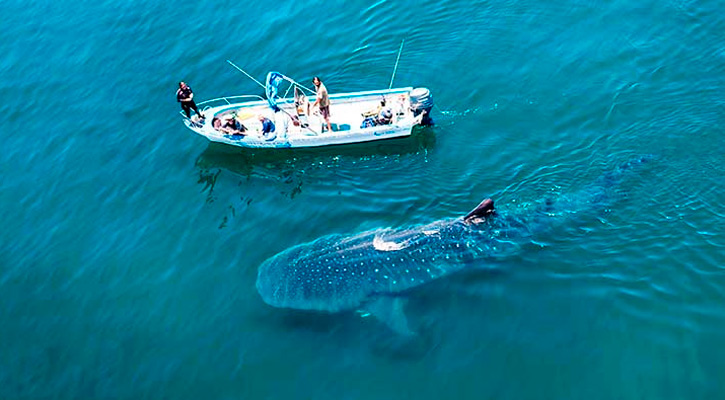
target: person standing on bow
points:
(186, 97)
(323, 101)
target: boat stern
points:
(421, 103)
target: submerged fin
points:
(482, 210)
(389, 310)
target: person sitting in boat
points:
(233, 127)
(371, 116)
(302, 106)
(267, 128)
(385, 116)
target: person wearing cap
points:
(322, 100)
(186, 97)
(233, 127)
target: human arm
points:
(320, 94)
(184, 95)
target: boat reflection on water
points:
(287, 169)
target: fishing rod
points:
(245, 73)
(260, 84)
(295, 83)
(396, 63)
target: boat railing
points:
(228, 100)
(221, 101)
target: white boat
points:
(354, 117)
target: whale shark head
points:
(314, 276)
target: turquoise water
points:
(130, 246)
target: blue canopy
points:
(274, 79)
(272, 87)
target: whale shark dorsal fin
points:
(482, 210)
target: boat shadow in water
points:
(282, 164)
(289, 168)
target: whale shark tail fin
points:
(482, 210)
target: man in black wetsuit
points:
(186, 97)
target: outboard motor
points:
(422, 101)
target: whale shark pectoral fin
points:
(389, 310)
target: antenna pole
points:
(396, 63)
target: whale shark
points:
(371, 271)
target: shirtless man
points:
(323, 101)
